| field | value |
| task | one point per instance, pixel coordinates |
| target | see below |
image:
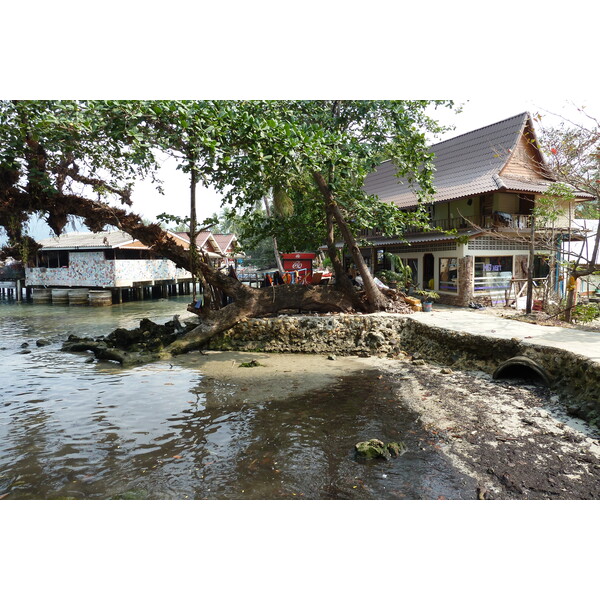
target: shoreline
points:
(522, 445)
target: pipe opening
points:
(522, 369)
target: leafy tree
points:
(573, 152)
(77, 158)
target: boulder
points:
(372, 449)
(375, 448)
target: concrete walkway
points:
(477, 322)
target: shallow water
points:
(72, 429)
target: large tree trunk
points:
(376, 300)
(275, 247)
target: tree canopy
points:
(60, 159)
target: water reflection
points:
(71, 429)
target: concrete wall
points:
(576, 378)
(91, 269)
(127, 272)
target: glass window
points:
(492, 274)
(448, 274)
(54, 259)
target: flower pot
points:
(426, 304)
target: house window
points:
(493, 274)
(54, 259)
(449, 275)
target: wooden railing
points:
(499, 220)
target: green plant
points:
(427, 294)
(585, 313)
(399, 272)
(390, 276)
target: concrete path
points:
(477, 322)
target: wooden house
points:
(487, 183)
(220, 249)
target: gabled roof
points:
(478, 162)
(204, 240)
(218, 242)
(225, 240)
(89, 241)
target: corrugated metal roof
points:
(466, 165)
(88, 241)
(424, 238)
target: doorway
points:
(428, 271)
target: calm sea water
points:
(73, 429)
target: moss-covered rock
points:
(372, 449)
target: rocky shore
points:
(514, 439)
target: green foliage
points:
(180, 223)
(247, 150)
(427, 294)
(553, 204)
(399, 273)
(390, 276)
(587, 210)
(585, 313)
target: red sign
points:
(299, 264)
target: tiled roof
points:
(224, 240)
(467, 165)
(74, 241)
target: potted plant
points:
(428, 296)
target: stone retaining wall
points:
(576, 378)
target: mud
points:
(515, 439)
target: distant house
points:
(220, 248)
(487, 183)
(111, 259)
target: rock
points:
(372, 449)
(24, 345)
(331, 357)
(396, 449)
(418, 361)
(252, 363)
(446, 371)
(42, 342)
(89, 360)
(24, 352)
